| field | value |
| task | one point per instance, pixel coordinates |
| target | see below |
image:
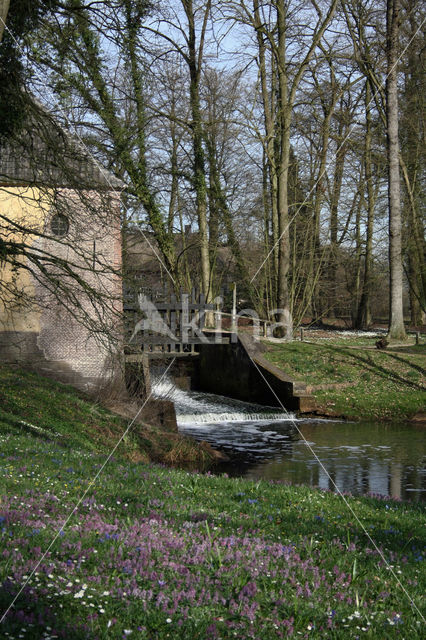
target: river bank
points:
(351, 378)
(136, 549)
(96, 547)
(59, 413)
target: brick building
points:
(60, 255)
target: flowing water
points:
(263, 442)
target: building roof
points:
(42, 152)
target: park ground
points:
(100, 547)
(350, 377)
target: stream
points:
(265, 442)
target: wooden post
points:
(417, 337)
(146, 375)
(234, 308)
(302, 334)
(217, 318)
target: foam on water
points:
(262, 442)
(233, 417)
(194, 407)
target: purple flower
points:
(249, 590)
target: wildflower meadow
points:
(153, 552)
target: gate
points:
(170, 326)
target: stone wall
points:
(73, 330)
(239, 370)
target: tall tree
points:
(4, 9)
(413, 156)
(74, 50)
(273, 24)
(396, 315)
(194, 58)
(363, 317)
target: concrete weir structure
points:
(238, 369)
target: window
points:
(59, 225)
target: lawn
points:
(102, 548)
(144, 551)
(59, 413)
(369, 383)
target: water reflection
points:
(385, 459)
(357, 457)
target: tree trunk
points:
(284, 120)
(342, 146)
(363, 319)
(396, 317)
(412, 165)
(269, 144)
(317, 257)
(267, 297)
(199, 177)
(356, 282)
(4, 9)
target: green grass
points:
(55, 412)
(356, 339)
(336, 339)
(376, 384)
(163, 553)
(141, 550)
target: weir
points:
(240, 370)
(231, 426)
(236, 369)
(201, 407)
(229, 363)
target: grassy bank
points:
(366, 382)
(59, 413)
(151, 552)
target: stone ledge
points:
(241, 371)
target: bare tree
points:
(4, 9)
(396, 320)
(413, 156)
(110, 101)
(139, 87)
(272, 25)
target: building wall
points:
(26, 208)
(65, 330)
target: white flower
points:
(127, 632)
(168, 620)
(79, 594)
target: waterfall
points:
(195, 407)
